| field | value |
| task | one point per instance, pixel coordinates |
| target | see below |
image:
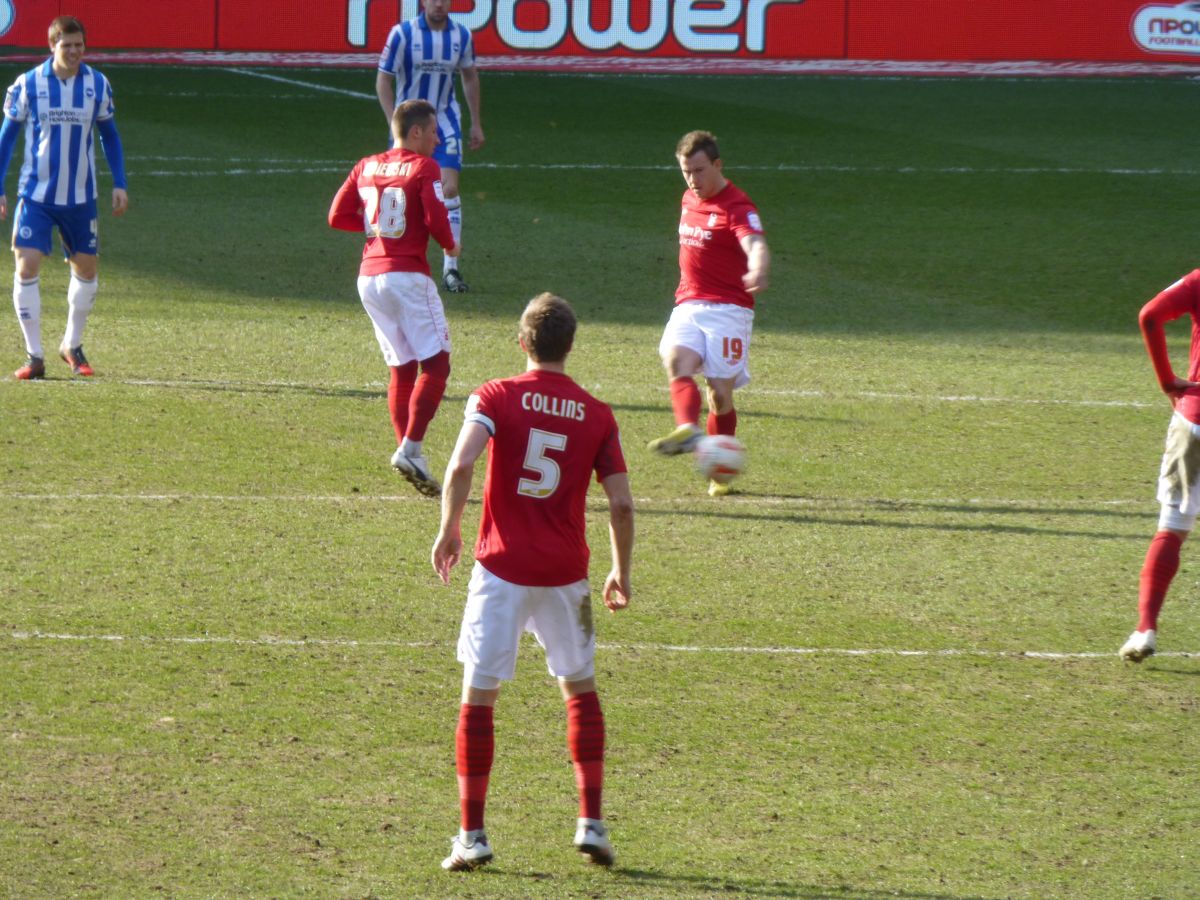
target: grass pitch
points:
(227, 669)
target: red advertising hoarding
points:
(632, 30)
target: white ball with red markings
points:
(720, 457)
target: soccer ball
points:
(720, 457)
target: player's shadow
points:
(1142, 514)
(252, 387)
(761, 887)
(860, 521)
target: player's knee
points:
(1171, 519)
(479, 681)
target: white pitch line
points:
(304, 84)
(305, 167)
(270, 641)
(881, 504)
(772, 392)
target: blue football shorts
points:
(34, 223)
(449, 152)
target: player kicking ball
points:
(545, 437)
(396, 199)
(723, 264)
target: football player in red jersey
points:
(396, 198)
(1179, 474)
(723, 263)
(545, 436)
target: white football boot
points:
(469, 850)
(1140, 645)
(416, 470)
(591, 839)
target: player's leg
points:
(81, 298)
(31, 240)
(585, 741)
(27, 302)
(401, 381)
(449, 157)
(682, 351)
(1177, 492)
(385, 309)
(722, 416)
(492, 623)
(81, 246)
(727, 330)
(428, 334)
(561, 620)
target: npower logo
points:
(1168, 28)
(713, 26)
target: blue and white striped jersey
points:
(59, 116)
(424, 62)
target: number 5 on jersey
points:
(536, 460)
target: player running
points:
(545, 437)
(396, 197)
(723, 263)
(418, 62)
(63, 104)
(1178, 491)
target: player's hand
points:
(120, 201)
(1176, 388)
(3, 207)
(447, 550)
(754, 281)
(457, 251)
(476, 137)
(617, 591)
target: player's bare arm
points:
(758, 262)
(618, 588)
(385, 90)
(470, 83)
(447, 549)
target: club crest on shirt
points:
(712, 220)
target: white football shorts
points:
(410, 322)
(1179, 474)
(497, 613)
(718, 332)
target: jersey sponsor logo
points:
(1167, 28)
(693, 235)
(60, 116)
(554, 406)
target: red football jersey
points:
(1180, 299)
(548, 436)
(711, 259)
(396, 198)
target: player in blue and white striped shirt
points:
(418, 62)
(62, 103)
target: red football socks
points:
(1162, 562)
(585, 738)
(475, 745)
(427, 395)
(400, 389)
(685, 400)
(726, 423)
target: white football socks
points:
(27, 301)
(454, 209)
(81, 297)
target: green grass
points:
(245, 683)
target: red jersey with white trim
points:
(396, 198)
(1180, 299)
(711, 259)
(548, 435)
